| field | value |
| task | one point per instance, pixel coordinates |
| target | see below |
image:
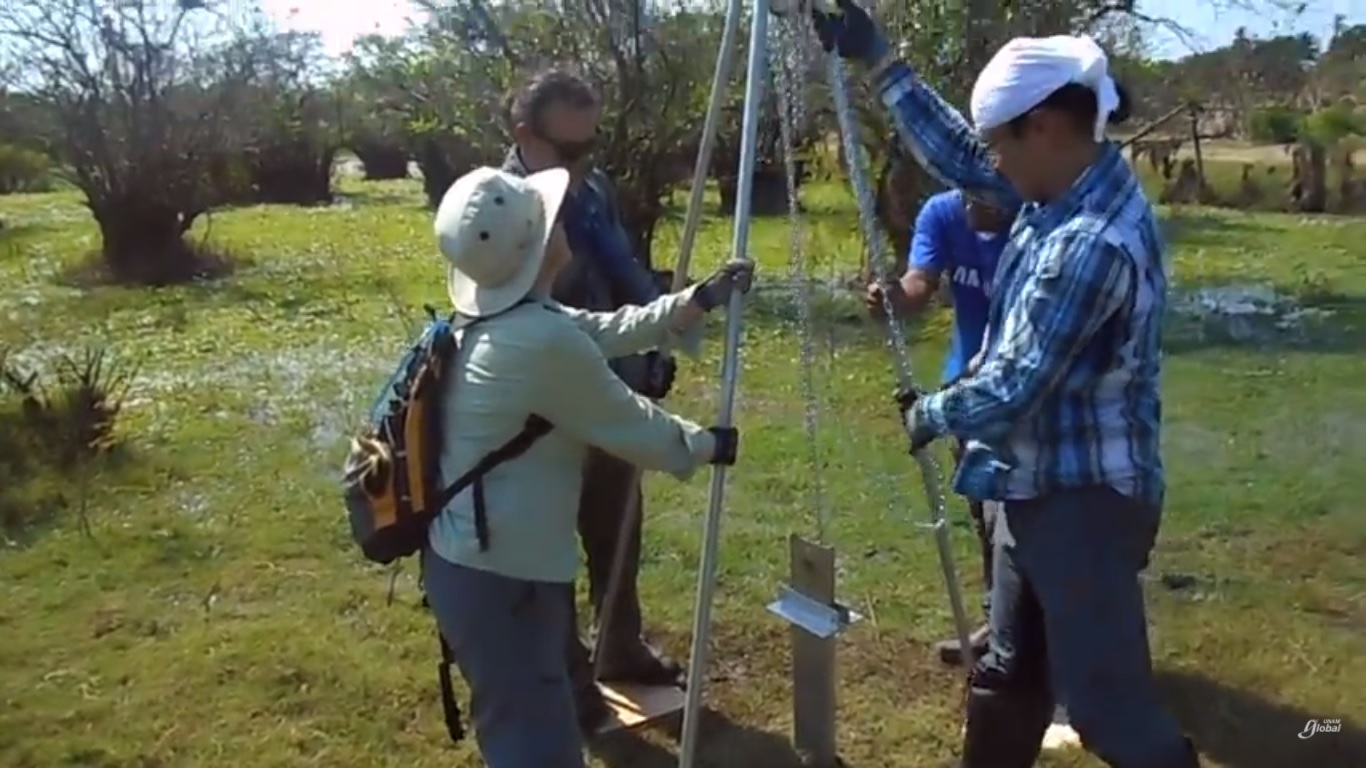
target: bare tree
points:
(138, 120)
(291, 131)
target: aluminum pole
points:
(725, 65)
(755, 73)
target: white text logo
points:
(1320, 726)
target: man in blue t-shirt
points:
(960, 238)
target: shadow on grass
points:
(1241, 729)
(722, 743)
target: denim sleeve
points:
(1080, 283)
(939, 138)
(630, 274)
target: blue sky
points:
(1215, 27)
(340, 22)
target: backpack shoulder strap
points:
(533, 429)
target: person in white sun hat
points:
(502, 558)
(1061, 409)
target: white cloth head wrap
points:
(1027, 69)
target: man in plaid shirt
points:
(1062, 409)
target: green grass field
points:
(217, 614)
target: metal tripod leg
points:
(755, 71)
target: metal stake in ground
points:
(730, 369)
(807, 602)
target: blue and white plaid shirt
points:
(1068, 394)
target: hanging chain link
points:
(884, 270)
(789, 61)
(875, 241)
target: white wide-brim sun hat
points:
(493, 226)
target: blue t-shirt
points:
(945, 243)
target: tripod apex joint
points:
(820, 619)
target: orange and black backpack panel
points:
(391, 483)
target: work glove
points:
(850, 31)
(660, 371)
(920, 433)
(727, 443)
(716, 290)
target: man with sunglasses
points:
(555, 117)
(1062, 417)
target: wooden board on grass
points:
(634, 705)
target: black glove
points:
(849, 30)
(727, 444)
(919, 433)
(660, 372)
(716, 290)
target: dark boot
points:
(1005, 730)
(635, 661)
(951, 651)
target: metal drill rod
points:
(755, 72)
(873, 239)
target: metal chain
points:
(788, 66)
(875, 241)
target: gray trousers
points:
(506, 636)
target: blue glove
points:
(920, 433)
(850, 31)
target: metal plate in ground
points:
(635, 705)
(820, 619)
(813, 656)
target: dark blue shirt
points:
(595, 232)
(945, 243)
